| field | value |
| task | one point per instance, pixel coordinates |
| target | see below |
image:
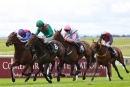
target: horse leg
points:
(87, 67)
(53, 64)
(113, 63)
(11, 68)
(29, 74)
(59, 68)
(46, 66)
(42, 69)
(72, 69)
(25, 68)
(78, 71)
(108, 71)
(35, 77)
(122, 62)
(94, 73)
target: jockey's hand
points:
(108, 45)
(42, 38)
(66, 39)
(99, 43)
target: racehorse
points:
(103, 57)
(72, 56)
(44, 56)
(22, 56)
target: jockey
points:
(47, 31)
(25, 34)
(72, 36)
(108, 40)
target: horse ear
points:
(54, 30)
(60, 29)
(32, 33)
(93, 40)
(15, 33)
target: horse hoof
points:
(26, 80)
(13, 80)
(58, 79)
(121, 78)
(50, 81)
(84, 78)
(109, 79)
(74, 78)
(127, 71)
(34, 79)
(63, 75)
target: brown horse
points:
(44, 56)
(72, 56)
(22, 56)
(103, 57)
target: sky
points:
(89, 17)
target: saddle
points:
(52, 47)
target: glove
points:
(66, 39)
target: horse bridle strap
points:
(100, 55)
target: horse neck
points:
(102, 50)
(39, 49)
(62, 40)
(18, 46)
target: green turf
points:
(67, 82)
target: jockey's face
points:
(67, 31)
(103, 36)
(40, 28)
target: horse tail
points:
(120, 55)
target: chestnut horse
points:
(72, 57)
(103, 57)
(22, 56)
(44, 56)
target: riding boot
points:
(114, 54)
(78, 46)
(51, 47)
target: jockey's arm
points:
(110, 38)
(73, 38)
(49, 29)
(26, 36)
(37, 32)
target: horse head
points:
(32, 40)
(96, 47)
(12, 39)
(57, 35)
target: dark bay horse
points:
(72, 56)
(103, 57)
(22, 56)
(44, 56)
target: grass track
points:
(67, 82)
